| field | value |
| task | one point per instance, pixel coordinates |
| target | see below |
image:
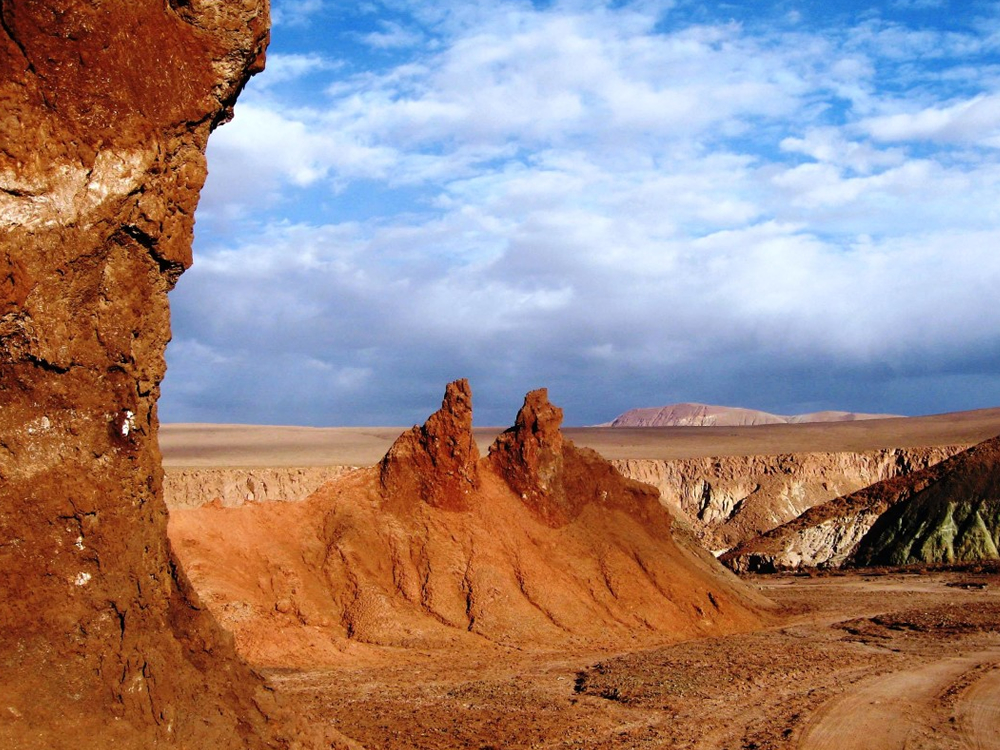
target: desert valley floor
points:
(864, 659)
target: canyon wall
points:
(734, 498)
(229, 487)
(944, 513)
(722, 501)
(106, 111)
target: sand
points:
(876, 662)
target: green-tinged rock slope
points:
(956, 519)
(946, 513)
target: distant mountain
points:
(705, 415)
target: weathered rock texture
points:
(706, 415)
(189, 488)
(954, 518)
(549, 546)
(105, 109)
(722, 501)
(732, 499)
(438, 461)
(946, 512)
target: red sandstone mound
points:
(107, 108)
(538, 543)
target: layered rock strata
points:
(732, 499)
(954, 518)
(944, 513)
(722, 501)
(106, 110)
(537, 543)
(189, 488)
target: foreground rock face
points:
(106, 111)
(549, 546)
(945, 513)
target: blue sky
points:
(789, 206)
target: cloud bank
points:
(631, 204)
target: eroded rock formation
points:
(946, 512)
(555, 478)
(732, 499)
(106, 110)
(954, 518)
(550, 545)
(436, 463)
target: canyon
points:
(722, 500)
(445, 587)
(945, 513)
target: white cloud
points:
(393, 36)
(973, 121)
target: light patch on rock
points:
(42, 424)
(128, 423)
(70, 190)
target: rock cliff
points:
(539, 542)
(953, 516)
(945, 512)
(722, 501)
(731, 499)
(189, 488)
(106, 109)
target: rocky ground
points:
(884, 660)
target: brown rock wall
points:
(106, 110)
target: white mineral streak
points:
(69, 192)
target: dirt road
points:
(905, 709)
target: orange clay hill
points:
(538, 544)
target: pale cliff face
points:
(731, 499)
(722, 501)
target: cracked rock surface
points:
(105, 111)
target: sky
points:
(789, 206)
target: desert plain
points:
(864, 658)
